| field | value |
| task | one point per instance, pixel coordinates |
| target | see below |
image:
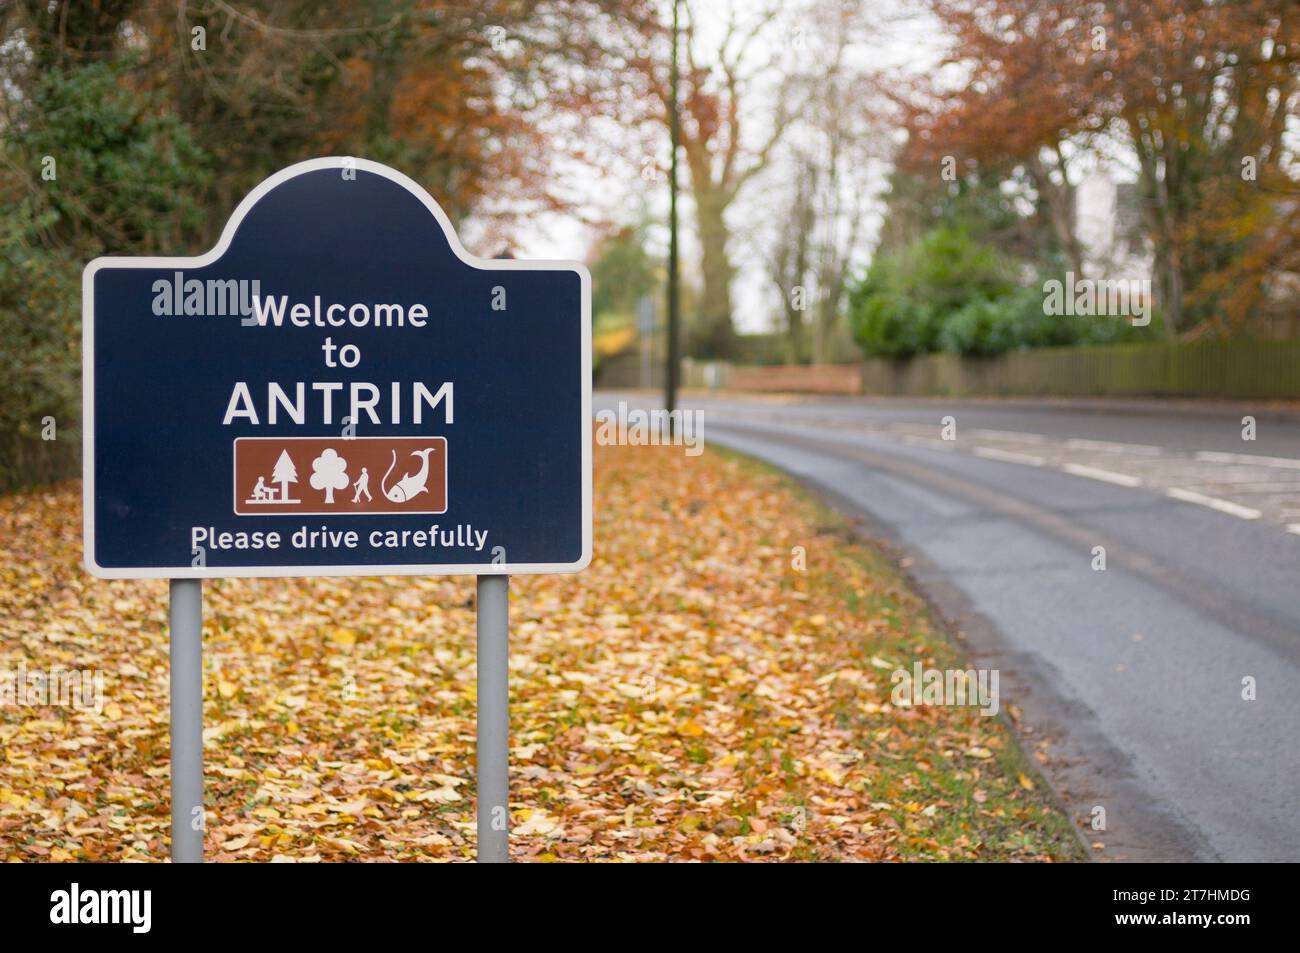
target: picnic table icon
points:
(283, 473)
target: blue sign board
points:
(337, 388)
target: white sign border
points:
(208, 258)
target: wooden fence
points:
(1223, 369)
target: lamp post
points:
(674, 317)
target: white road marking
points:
(1293, 528)
(1214, 503)
(1258, 486)
(1010, 435)
(1009, 456)
(1214, 456)
(1109, 446)
(1106, 476)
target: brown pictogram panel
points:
(332, 475)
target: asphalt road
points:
(1128, 680)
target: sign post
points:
(493, 719)
(186, 623)
(337, 388)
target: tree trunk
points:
(1058, 203)
(827, 314)
(1158, 212)
(794, 333)
(1173, 288)
(714, 335)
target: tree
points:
(121, 177)
(447, 91)
(1014, 110)
(720, 155)
(329, 472)
(741, 89)
(66, 34)
(1217, 84)
(1190, 89)
(134, 128)
(284, 474)
(789, 259)
(846, 136)
(90, 166)
(622, 272)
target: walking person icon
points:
(362, 486)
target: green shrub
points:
(900, 307)
(889, 325)
(982, 327)
(124, 181)
(947, 292)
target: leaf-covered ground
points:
(692, 695)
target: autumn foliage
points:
(1197, 95)
(692, 695)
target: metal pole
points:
(674, 318)
(187, 720)
(493, 720)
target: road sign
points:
(645, 322)
(337, 388)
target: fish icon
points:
(410, 485)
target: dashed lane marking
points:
(1214, 503)
(1106, 476)
(1009, 456)
(1214, 456)
(1110, 446)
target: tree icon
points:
(284, 474)
(329, 472)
